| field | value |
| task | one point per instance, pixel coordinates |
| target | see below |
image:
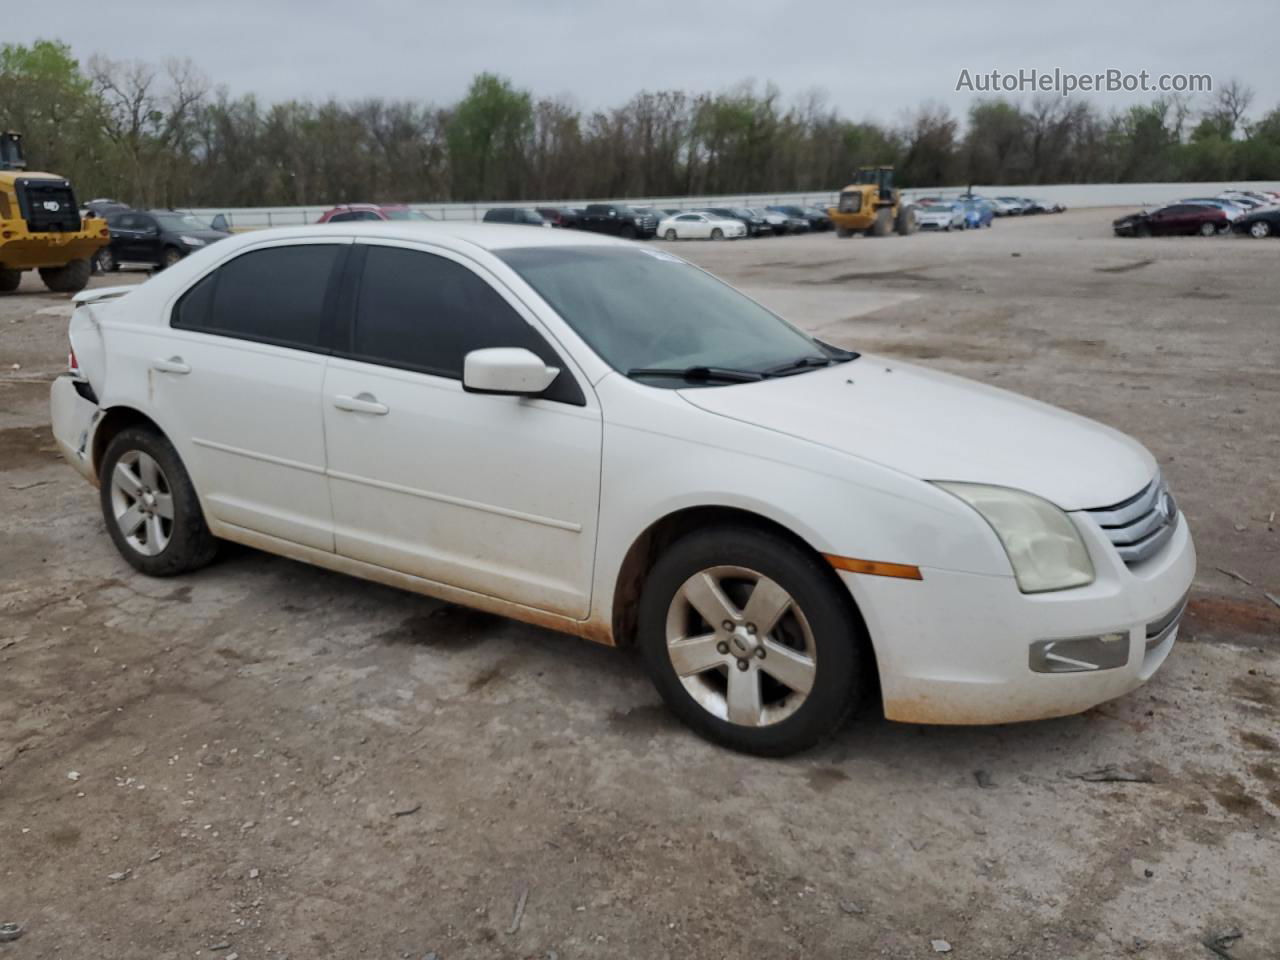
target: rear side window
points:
(277, 295)
(422, 312)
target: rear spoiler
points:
(100, 294)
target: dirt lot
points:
(266, 760)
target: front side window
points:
(646, 309)
(276, 295)
(419, 311)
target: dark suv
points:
(158, 237)
(619, 220)
(755, 225)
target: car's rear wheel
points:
(628, 232)
(1260, 229)
(10, 280)
(71, 278)
(105, 261)
(1207, 229)
(670, 235)
(150, 506)
(750, 642)
(717, 234)
(170, 257)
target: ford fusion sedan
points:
(597, 437)
(701, 226)
(1177, 219)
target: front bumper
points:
(75, 419)
(955, 648)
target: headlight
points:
(1043, 544)
(192, 241)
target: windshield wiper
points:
(807, 363)
(699, 374)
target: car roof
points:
(486, 236)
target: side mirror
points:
(506, 370)
(220, 223)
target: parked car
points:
(779, 223)
(697, 225)
(516, 215)
(754, 223)
(619, 220)
(815, 219)
(103, 207)
(1014, 206)
(158, 238)
(1229, 207)
(1259, 223)
(978, 212)
(605, 440)
(1002, 207)
(348, 212)
(1185, 219)
(565, 217)
(944, 215)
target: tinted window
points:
(498, 216)
(423, 312)
(342, 217)
(276, 296)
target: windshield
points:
(177, 222)
(405, 215)
(647, 309)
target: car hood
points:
(935, 426)
(208, 236)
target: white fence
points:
(1070, 194)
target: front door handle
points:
(361, 403)
(172, 365)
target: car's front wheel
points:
(150, 506)
(670, 235)
(749, 640)
(717, 234)
(1260, 229)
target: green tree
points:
(488, 134)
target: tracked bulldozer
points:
(40, 226)
(872, 206)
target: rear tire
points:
(1207, 229)
(814, 642)
(884, 223)
(105, 262)
(71, 278)
(142, 479)
(171, 257)
(10, 280)
(905, 222)
(1260, 229)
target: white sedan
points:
(700, 226)
(941, 216)
(600, 438)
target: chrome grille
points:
(1141, 525)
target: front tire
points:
(71, 278)
(1207, 229)
(150, 506)
(10, 280)
(717, 234)
(1260, 229)
(750, 641)
(669, 235)
(170, 257)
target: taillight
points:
(73, 365)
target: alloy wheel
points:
(741, 646)
(1259, 229)
(142, 503)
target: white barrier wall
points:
(1070, 194)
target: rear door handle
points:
(361, 403)
(172, 365)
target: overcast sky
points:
(873, 60)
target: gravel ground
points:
(266, 760)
